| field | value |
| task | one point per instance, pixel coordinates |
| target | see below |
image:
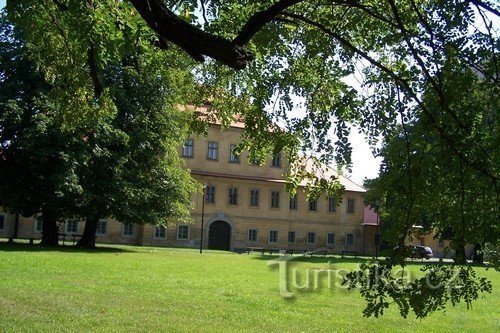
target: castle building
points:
(245, 205)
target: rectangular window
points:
(350, 206)
(213, 150)
(102, 228)
(3, 221)
(273, 236)
(332, 205)
(187, 148)
(293, 202)
(233, 196)
(311, 238)
(349, 239)
(160, 232)
(128, 230)
(292, 235)
(232, 157)
(276, 161)
(275, 199)
(183, 232)
(38, 225)
(313, 205)
(255, 161)
(252, 236)
(330, 238)
(71, 226)
(210, 194)
(254, 198)
(440, 243)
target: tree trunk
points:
(478, 254)
(88, 239)
(50, 230)
(460, 257)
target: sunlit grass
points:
(157, 289)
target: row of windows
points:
(273, 237)
(213, 153)
(275, 200)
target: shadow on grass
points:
(309, 259)
(24, 247)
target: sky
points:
(365, 165)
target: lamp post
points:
(202, 217)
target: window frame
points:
(232, 157)
(232, 196)
(276, 161)
(35, 225)
(132, 225)
(186, 148)
(275, 200)
(348, 208)
(347, 238)
(66, 225)
(213, 149)
(328, 243)
(254, 194)
(100, 234)
(210, 194)
(256, 236)
(186, 227)
(307, 238)
(332, 205)
(277, 236)
(294, 236)
(295, 201)
(158, 227)
(315, 202)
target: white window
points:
(292, 236)
(275, 199)
(210, 194)
(187, 148)
(350, 206)
(349, 239)
(254, 198)
(252, 235)
(276, 161)
(183, 232)
(311, 238)
(273, 236)
(128, 230)
(38, 225)
(293, 202)
(330, 238)
(160, 232)
(3, 221)
(233, 158)
(102, 228)
(213, 150)
(233, 196)
(72, 226)
(332, 205)
(313, 205)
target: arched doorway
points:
(219, 236)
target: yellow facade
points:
(262, 221)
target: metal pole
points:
(202, 217)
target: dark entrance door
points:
(219, 236)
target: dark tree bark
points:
(50, 229)
(460, 256)
(199, 43)
(478, 254)
(88, 238)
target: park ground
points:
(146, 289)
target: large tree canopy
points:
(301, 72)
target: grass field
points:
(142, 289)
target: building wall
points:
(245, 177)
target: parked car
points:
(418, 251)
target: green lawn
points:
(157, 289)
